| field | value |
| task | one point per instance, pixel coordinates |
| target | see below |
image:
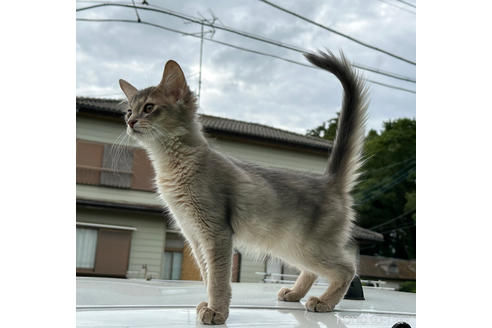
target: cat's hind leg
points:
(300, 289)
(339, 271)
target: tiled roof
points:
(214, 124)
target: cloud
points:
(246, 86)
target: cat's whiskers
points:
(118, 150)
(114, 150)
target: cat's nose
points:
(132, 123)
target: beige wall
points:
(271, 156)
(108, 131)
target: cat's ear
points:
(173, 80)
(128, 89)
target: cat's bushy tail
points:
(346, 155)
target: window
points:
(103, 250)
(173, 257)
(89, 161)
(172, 265)
(114, 166)
(86, 247)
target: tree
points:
(387, 187)
(327, 130)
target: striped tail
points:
(346, 155)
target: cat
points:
(218, 201)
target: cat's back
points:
(282, 179)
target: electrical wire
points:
(385, 185)
(238, 32)
(340, 34)
(393, 219)
(395, 6)
(410, 225)
(388, 166)
(376, 193)
(225, 44)
(407, 3)
(391, 86)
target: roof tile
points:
(218, 124)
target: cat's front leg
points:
(218, 253)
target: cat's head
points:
(165, 111)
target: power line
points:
(238, 32)
(339, 33)
(383, 186)
(390, 86)
(378, 192)
(225, 44)
(403, 227)
(303, 51)
(375, 193)
(407, 3)
(395, 6)
(393, 219)
(378, 71)
(391, 165)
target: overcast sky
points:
(246, 86)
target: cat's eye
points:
(148, 108)
(129, 112)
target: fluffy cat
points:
(218, 201)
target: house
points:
(387, 271)
(122, 230)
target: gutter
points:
(132, 207)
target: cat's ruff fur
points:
(217, 201)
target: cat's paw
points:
(201, 306)
(288, 295)
(314, 304)
(208, 316)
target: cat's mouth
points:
(133, 131)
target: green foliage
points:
(408, 286)
(411, 202)
(387, 186)
(327, 130)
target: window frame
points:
(103, 229)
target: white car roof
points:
(107, 302)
